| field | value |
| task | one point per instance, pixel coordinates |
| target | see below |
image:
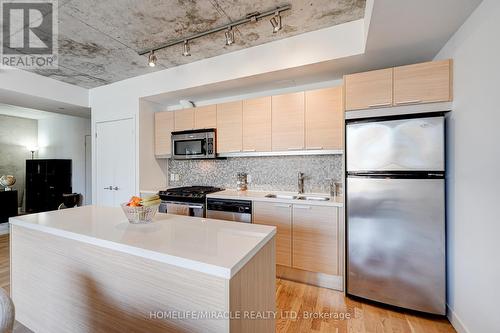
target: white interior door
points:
(115, 162)
(88, 170)
(124, 161)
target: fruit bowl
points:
(141, 214)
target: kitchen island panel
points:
(59, 285)
(254, 287)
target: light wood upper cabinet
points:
(315, 239)
(278, 215)
(229, 127)
(164, 125)
(205, 117)
(184, 119)
(288, 122)
(324, 118)
(257, 124)
(423, 83)
(368, 90)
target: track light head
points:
(276, 22)
(229, 36)
(152, 59)
(186, 49)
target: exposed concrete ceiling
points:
(401, 32)
(99, 40)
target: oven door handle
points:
(200, 206)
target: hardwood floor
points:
(301, 299)
(4, 263)
(296, 301)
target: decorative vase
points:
(7, 181)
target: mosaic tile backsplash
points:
(278, 173)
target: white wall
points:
(16, 134)
(31, 84)
(473, 166)
(261, 93)
(63, 137)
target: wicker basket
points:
(142, 214)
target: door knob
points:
(115, 188)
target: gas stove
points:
(195, 194)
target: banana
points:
(150, 198)
(150, 202)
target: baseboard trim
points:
(455, 321)
(4, 228)
(316, 279)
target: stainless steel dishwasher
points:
(229, 210)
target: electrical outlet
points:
(249, 179)
(177, 177)
(172, 177)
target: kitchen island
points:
(88, 270)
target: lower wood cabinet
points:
(307, 236)
(315, 239)
(278, 215)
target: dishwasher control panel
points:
(229, 205)
(229, 209)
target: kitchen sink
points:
(313, 198)
(281, 196)
(295, 197)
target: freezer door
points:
(396, 242)
(415, 144)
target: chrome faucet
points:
(300, 183)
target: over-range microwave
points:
(194, 144)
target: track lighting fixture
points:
(152, 59)
(229, 36)
(253, 18)
(186, 52)
(276, 22)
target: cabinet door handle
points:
(249, 150)
(282, 206)
(409, 102)
(109, 188)
(379, 105)
(302, 207)
(296, 148)
(315, 148)
(116, 188)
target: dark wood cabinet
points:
(46, 182)
(8, 205)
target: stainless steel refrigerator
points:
(395, 209)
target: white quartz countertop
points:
(214, 247)
(261, 196)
